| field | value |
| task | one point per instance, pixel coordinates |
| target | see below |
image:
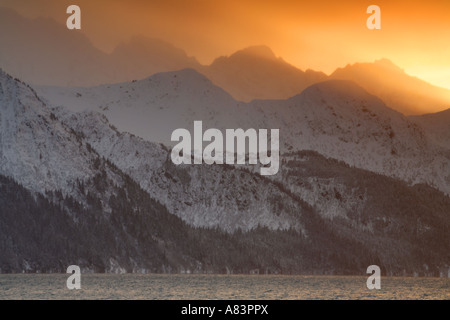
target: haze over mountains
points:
(256, 73)
(43, 52)
(406, 94)
(86, 175)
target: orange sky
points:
(319, 34)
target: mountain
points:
(336, 118)
(154, 107)
(256, 73)
(142, 57)
(341, 120)
(42, 51)
(74, 205)
(48, 150)
(110, 201)
(36, 149)
(436, 125)
(400, 91)
(379, 212)
(139, 236)
(203, 196)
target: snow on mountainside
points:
(54, 150)
(42, 51)
(154, 107)
(437, 126)
(336, 118)
(340, 120)
(141, 57)
(340, 219)
(203, 196)
(35, 148)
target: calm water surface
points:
(218, 287)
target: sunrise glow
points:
(319, 35)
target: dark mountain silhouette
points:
(44, 52)
(256, 73)
(41, 51)
(142, 57)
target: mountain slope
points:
(384, 214)
(436, 125)
(339, 119)
(203, 196)
(154, 107)
(43, 52)
(47, 150)
(140, 236)
(35, 148)
(406, 94)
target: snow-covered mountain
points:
(203, 196)
(111, 201)
(336, 118)
(340, 120)
(437, 126)
(154, 107)
(55, 150)
(36, 149)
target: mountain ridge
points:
(45, 55)
(336, 118)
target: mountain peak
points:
(260, 51)
(387, 64)
(382, 63)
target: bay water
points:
(218, 287)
